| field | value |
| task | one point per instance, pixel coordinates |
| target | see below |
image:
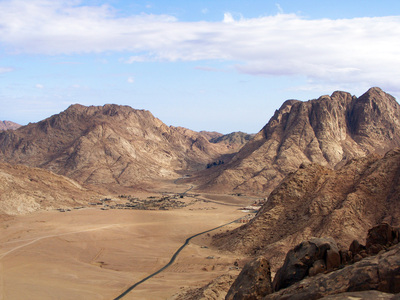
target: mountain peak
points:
(329, 131)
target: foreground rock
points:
(316, 268)
(214, 290)
(316, 201)
(307, 259)
(329, 131)
(380, 272)
(253, 282)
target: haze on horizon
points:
(211, 65)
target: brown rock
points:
(380, 236)
(109, 146)
(253, 282)
(329, 131)
(366, 295)
(317, 201)
(214, 290)
(318, 266)
(356, 247)
(380, 272)
(304, 257)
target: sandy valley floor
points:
(96, 254)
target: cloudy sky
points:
(217, 65)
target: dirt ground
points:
(97, 254)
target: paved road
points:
(171, 261)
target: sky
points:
(215, 65)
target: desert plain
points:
(90, 253)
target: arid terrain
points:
(91, 253)
(95, 199)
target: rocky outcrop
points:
(253, 282)
(380, 273)
(8, 125)
(214, 290)
(307, 259)
(329, 131)
(108, 145)
(316, 201)
(315, 269)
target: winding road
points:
(171, 261)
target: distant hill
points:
(317, 201)
(329, 131)
(6, 125)
(24, 190)
(109, 145)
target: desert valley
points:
(97, 198)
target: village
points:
(165, 202)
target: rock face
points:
(6, 125)
(24, 190)
(253, 282)
(308, 258)
(296, 279)
(380, 272)
(108, 145)
(329, 131)
(316, 201)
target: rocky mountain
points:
(24, 189)
(235, 139)
(317, 201)
(329, 131)
(6, 125)
(108, 145)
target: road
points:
(174, 256)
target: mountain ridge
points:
(329, 130)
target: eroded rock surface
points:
(329, 131)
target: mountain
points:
(6, 125)
(108, 145)
(317, 201)
(236, 140)
(24, 189)
(329, 131)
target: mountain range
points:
(110, 145)
(329, 131)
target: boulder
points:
(316, 255)
(253, 282)
(381, 236)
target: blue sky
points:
(206, 65)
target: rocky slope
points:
(24, 190)
(6, 125)
(316, 269)
(110, 145)
(329, 131)
(318, 201)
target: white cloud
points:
(344, 50)
(131, 80)
(5, 70)
(39, 86)
(279, 7)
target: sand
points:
(96, 254)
